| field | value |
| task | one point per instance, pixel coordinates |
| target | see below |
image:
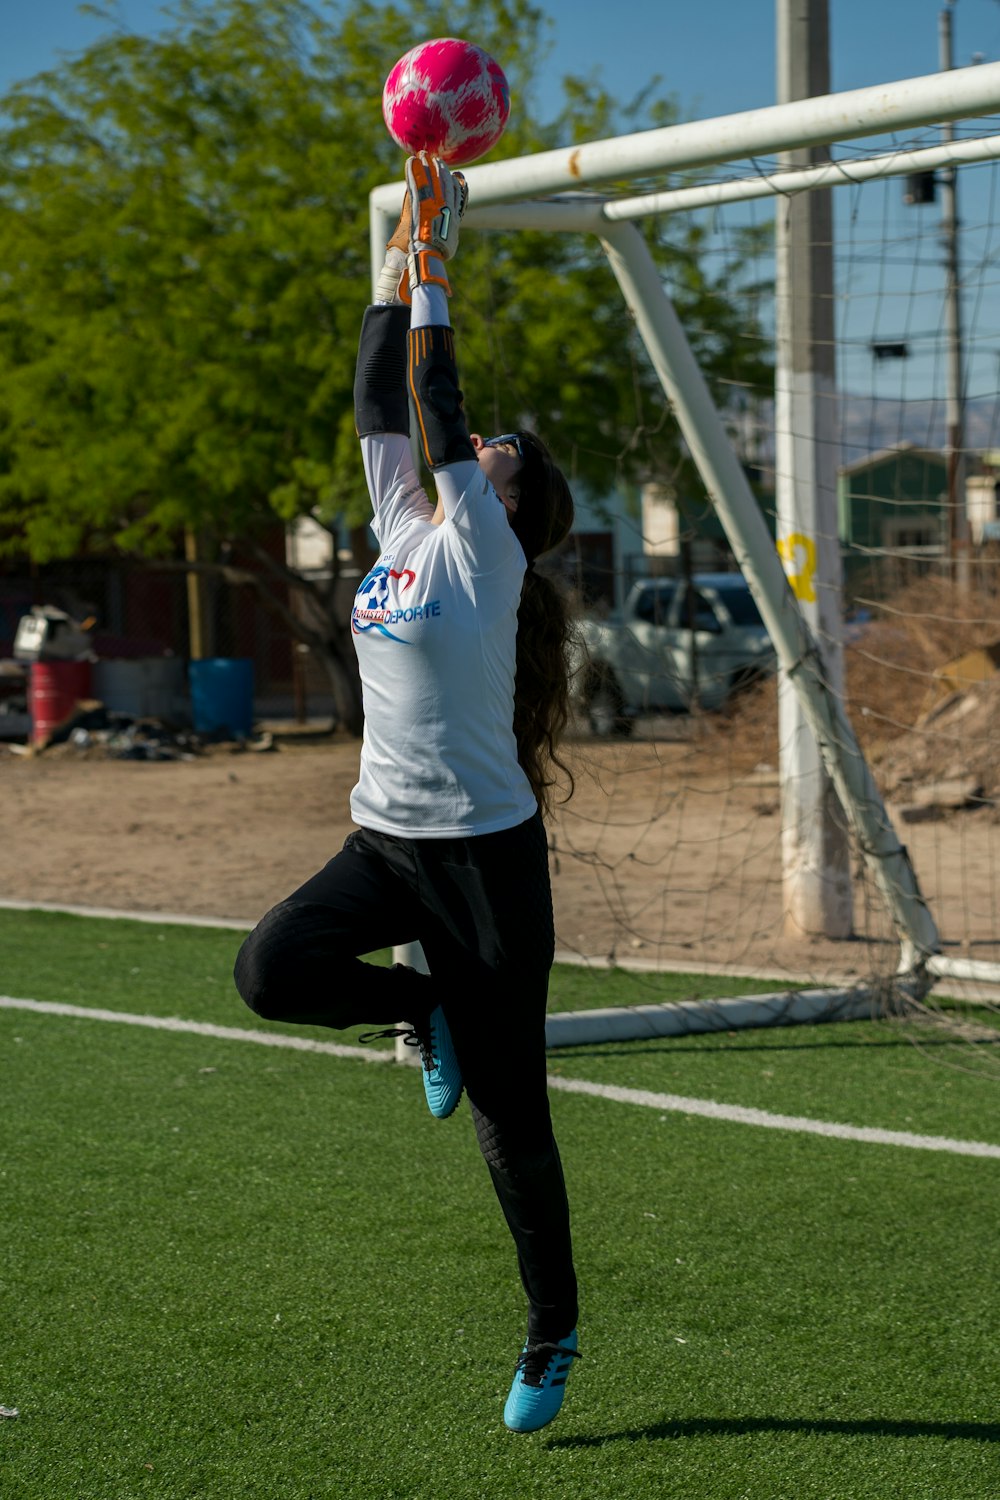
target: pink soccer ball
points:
(447, 97)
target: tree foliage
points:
(184, 263)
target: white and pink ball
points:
(447, 97)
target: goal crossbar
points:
(961, 94)
(568, 211)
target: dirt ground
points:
(668, 853)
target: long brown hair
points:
(542, 519)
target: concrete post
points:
(815, 851)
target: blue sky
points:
(717, 55)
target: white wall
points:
(980, 504)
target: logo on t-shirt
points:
(377, 606)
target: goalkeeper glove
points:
(427, 232)
(437, 203)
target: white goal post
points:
(554, 191)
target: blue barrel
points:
(222, 694)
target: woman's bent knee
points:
(252, 981)
(261, 969)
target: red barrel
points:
(53, 691)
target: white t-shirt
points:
(435, 626)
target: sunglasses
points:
(507, 437)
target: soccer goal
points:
(912, 594)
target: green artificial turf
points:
(230, 1271)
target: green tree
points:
(183, 266)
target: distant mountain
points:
(868, 425)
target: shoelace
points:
(534, 1361)
(411, 1038)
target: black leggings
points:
(482, 910)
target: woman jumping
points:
(461, 647)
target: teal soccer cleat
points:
(539, 1384)
(439, 1064)
(442, 1075)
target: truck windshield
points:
(653, 603)
(741, 606)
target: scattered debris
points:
(931, 800)
(978, 665)
(948, 759)
(92, 732)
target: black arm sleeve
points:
(444, 436)
(380, 400)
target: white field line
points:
(665, 1103)
(195, 1028)
(739, 1115)
(159, 918)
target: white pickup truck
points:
(669, 648)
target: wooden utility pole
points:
(815, 852)
(197, 614)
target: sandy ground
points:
(665, 854)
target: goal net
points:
(864, 771)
